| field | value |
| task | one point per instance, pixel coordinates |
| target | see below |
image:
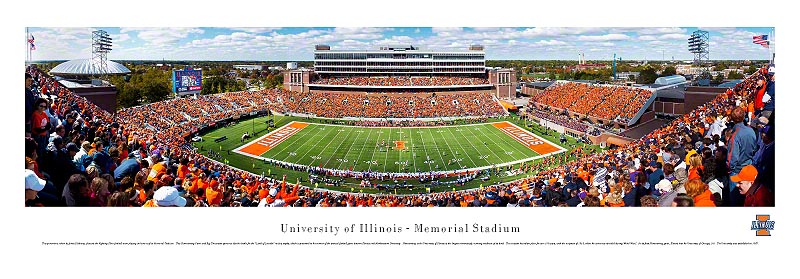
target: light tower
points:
(101, 45)
(614, 63)
(698, 45)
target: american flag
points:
(30, 41)
(761, 40)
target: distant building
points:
(250, 67)
(687, 70)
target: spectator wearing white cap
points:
(166, 197)
(769, 95)
(33, 184)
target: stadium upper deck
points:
(402, 69)
(405, 60)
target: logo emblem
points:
(399, 145)
(762, 225)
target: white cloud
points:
(352, 44)
(723, 30)
(234, 39)
(549, 43)
(118, 38)
(558, 31)
(255, 29)
(395, 40)
(673, 37)
(485, 29)
(607, 37)
(358, 30)
(660, 30)
(647, 38)
(346, 33)
(597, 44)
(162, 36)
(436, 30)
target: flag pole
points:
(27, 46)
(769, 48)
(771, 51)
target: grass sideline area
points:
(257, 127)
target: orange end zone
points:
(269, 141)
(527, 138)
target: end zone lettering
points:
(528, 139)
(277, 137)
(522, 136)
(269, 141)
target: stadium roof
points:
(87, 67)
(730, 84)
(673, 79)
(540, 84)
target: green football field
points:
(375, 149)
(469, 144)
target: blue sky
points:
(526, 43)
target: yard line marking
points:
(326, 148)
(313, 146)
(341, 141)
(360, 150)
(466, 154)
(386, 159)
(437, 147)
(299, 144)
(377, 141)
(294, 146)
(411, 146)
(487, 148)
(513, 146)
(422, 137)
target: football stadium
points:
(397, 126)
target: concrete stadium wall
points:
(669, 107)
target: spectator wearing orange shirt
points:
(698, 191)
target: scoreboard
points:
(187, 81)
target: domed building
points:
(88, 67)
(82, 76)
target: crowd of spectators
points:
(402, 81)
(404, 123)
(418, 123)
(605, 102)
(622, 103)
(138, 158)
(400, 105)
(562, 120)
